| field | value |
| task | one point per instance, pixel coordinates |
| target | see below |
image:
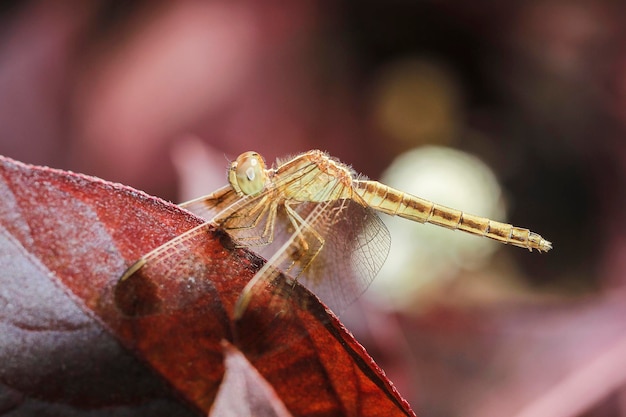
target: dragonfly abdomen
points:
(393, 202)
(502, 232)
(396, 203)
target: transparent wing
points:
(335, 250)
(177, 276)
(249, 220)
(211, 205)
(356, 244)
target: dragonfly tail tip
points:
(545, 245)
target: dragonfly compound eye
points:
(247, 174)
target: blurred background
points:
(513, 110)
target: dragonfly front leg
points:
(257, 232)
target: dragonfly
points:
(315, 219)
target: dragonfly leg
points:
(307, 242)
(293, 257)
(268, 232)
(243, 230)
(251, 218)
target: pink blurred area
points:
(109, 89)
(159, 95)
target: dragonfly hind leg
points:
(292, 258)
(307, 243)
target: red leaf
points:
(66, 239)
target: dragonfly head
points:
(247, 174)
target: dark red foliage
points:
(74, 341)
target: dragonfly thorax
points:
(314, 177)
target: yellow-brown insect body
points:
(320, 179)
